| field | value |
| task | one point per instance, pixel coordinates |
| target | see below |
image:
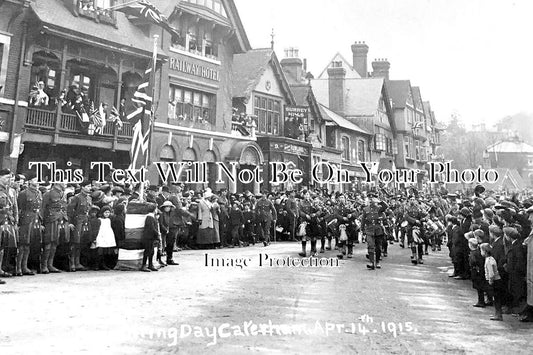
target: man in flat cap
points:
(30, 223)
(516, 267)
(78, 213)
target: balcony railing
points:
(69, 123)
(41, 118)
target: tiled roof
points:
(417, 97)
(250, 66)
(361, 98)
(512, 146)
(398, 92)
(248, 69)
(301, 93)
(55, 14)
(340, 121)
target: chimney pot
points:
(360, 55)
(381, 68)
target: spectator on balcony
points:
(37, 95)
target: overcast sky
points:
(470, 57)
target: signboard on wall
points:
(296, 119)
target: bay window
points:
(192, 105)
(268, 112)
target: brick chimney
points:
(336, 84)
(360, 52)
(292, 64)
(381, 68)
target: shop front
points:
(296, 154)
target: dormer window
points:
(97, 10)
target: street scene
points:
(88, 306)
(234, 177)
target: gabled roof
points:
(351, 73)
(510, 146)
(507, 178)
(417, 98)
(60, 20)
(361, 97)
(398, 92)
(249, 67)
(169, 7)
(340, 121)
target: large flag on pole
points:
(141, 119)
(145, 9)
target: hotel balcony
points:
(56, 127)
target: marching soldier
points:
(371, 223)
(55, 226)
(266, 214)
(414, 215)
(291, 206)
(30, 224)
(344, 215)
(7, 219)
(78, 214)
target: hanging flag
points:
(418, 125)
(141, 119)
(145, 9)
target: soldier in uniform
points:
(78, 214)
(291, 206)
(371, 224)
(7, 219)
(266, 214)
(414, 215)
(305, 211)
(344, 215)
(55, 225)
(30, 223)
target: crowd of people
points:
(49, 228)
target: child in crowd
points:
(105, 239)
(248, 231)
(496, 287)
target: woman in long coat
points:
(215, 211)
(205, 219)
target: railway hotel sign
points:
(194, 69)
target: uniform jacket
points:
(265, 210)
(54, 207)
(29, 203)
(78, 208)
(7, 206)
(372, 219)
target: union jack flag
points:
(143, 8)
(141, 119)
(418, 125)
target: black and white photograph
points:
(266, 177)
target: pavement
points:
(198, 309)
